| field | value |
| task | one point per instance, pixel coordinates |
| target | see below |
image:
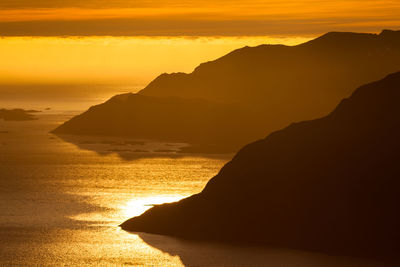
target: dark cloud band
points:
(182, 27)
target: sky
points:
(124, 61)
(193, 18)
(59, 47)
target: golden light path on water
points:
(154, 181)
(131, 207)
(62, 202)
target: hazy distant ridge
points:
(247, 93)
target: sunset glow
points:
(117, 61)
(194, 18)
(200, 133)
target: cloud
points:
(193, 18)
(29, 4)
(189, 27)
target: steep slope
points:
(331, 184)
(186, 120)
(272, 84)
(306, 80)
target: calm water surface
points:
(62, 199)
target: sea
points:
(62, 199)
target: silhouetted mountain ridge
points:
(264, 88)
(330, 184)
(168, 118)
(268, 65)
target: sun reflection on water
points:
(137, 206)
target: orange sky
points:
(124, 44)
(194, 18)
(123, 61)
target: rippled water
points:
(61, 203)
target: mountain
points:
(310, 78)
(168, 118)
(330, 184)
(17, 114)
(271, 85)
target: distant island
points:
(240, 97)
(330, 184)
(17, 114)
